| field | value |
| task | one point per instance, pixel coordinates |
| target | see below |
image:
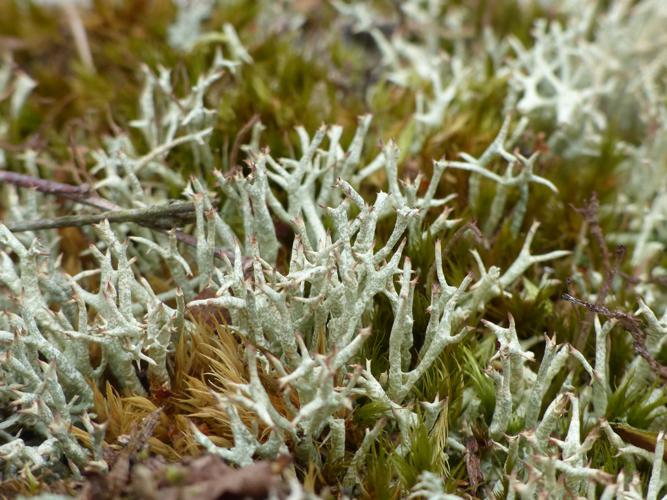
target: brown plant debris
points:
(206, 477)
(632, 325)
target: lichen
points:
(371, 236)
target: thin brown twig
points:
(458, 234)
(44, 186)
(591, 217)
(243, 131)
(84, 195)
(156, 216)
(81, 194)
(631, 324)
(590, 213)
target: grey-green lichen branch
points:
(340, 274)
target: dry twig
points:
(591, 217)
(631, 324)
(161, 218)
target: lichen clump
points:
(363, 249)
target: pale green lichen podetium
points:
(377, 268)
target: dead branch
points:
(157, 220)
(155, 216)
(591, 217)
(632, 324)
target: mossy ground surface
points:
(310, 77)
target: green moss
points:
(317, 75)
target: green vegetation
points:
(353, 296)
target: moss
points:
(327, 72)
